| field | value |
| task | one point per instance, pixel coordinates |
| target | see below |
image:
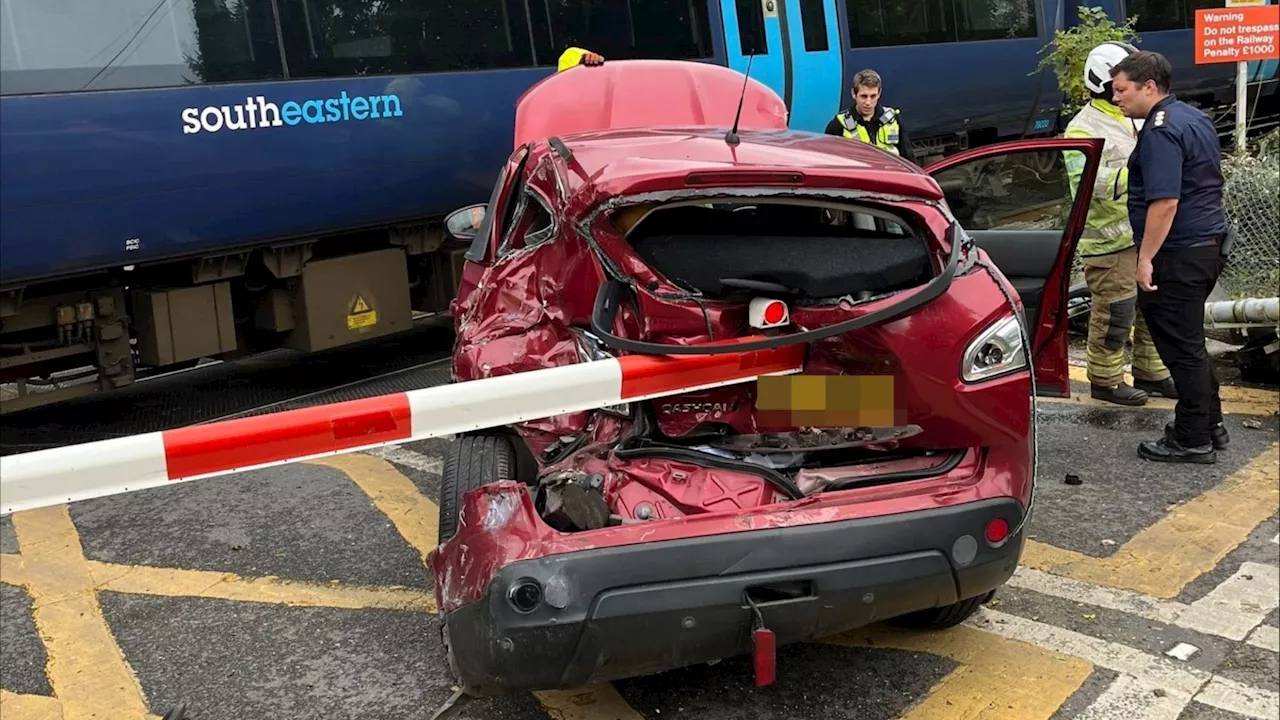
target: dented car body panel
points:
(644, 531)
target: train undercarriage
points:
(74, 337)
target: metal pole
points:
(1242, 104)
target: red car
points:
(891, 479)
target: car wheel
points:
(472, 461)
(943, 617)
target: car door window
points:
(1016, 206)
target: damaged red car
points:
(664, 208)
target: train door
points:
(796, 51)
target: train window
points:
(752, 39)
(1156, 15)
(84, 45)
(813, 20)
(668, 29)
(995, 19)
(334, 38)
(877, 23)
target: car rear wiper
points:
(609, 300)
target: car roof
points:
(633, 160)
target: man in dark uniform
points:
(1175, 208)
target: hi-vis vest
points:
(1107, 228)
(886, 136)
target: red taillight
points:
(997, 531)
(767, 313)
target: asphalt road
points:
(300, 592)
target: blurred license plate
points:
(825, 401)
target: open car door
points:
(1019, 204)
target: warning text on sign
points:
(1238, 34)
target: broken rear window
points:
(727, 250)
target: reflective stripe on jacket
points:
(1107, 228)
(886, 136)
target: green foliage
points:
(1068, 50)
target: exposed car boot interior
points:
(741, 249)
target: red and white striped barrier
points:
(120, 465)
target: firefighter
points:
(575, 56)
(870, 122)
(1107, 249)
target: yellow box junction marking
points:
(996, 673)
(88, 673)
(361, 315)
(416, 517)
(998, 679)
(1191, 540)
(1235, 400)
(29, 707)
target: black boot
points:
(1120, 394)
(1163, 388)
(1218, 432)
(1169, 450)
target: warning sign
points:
(361, 316)
(1238, 34)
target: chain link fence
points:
(1252, 199)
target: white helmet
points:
(1097, 67)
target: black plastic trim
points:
(625, 611)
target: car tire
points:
(944, 617)
(472, 461)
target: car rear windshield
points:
(723, 250)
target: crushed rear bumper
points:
(612, 612)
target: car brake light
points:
(768, 313)
(739, 177)
(999, 350)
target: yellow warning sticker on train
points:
(361, 316)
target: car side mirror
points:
(464, 224)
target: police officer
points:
(575, 56)
(869, 121)
(1175, 207)
(1106, 249)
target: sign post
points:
(1242, 32)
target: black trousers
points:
(1184, 277)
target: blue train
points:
(209, 178)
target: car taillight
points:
(997, 351)
(768, 313)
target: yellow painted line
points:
(12, 570)
(87, 671)
(416, 518)
(176, 582)
(594, 702)
(1191, 540)
(29, 707)
(1235, 400)
(998, 678)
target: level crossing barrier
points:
(120, 465)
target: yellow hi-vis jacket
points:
(1107, 228)
(886, 137)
